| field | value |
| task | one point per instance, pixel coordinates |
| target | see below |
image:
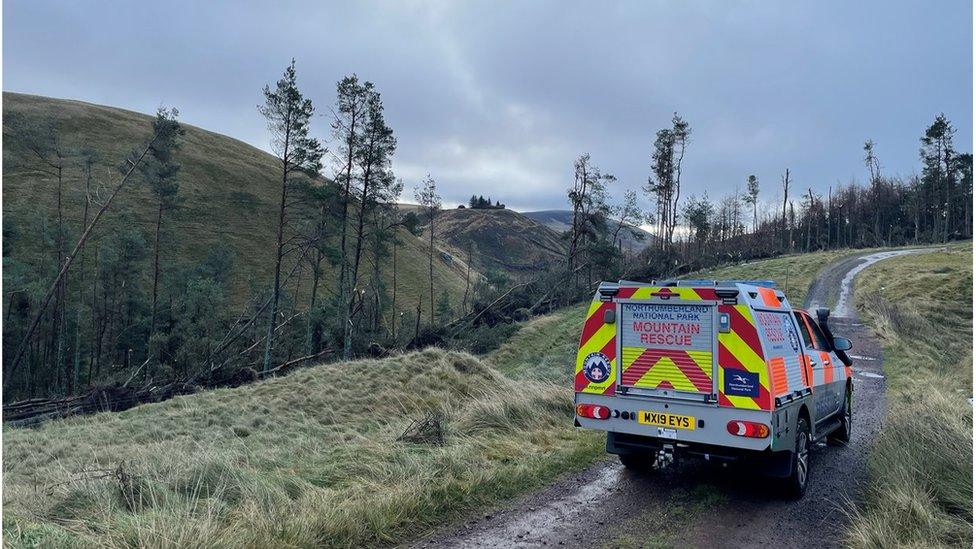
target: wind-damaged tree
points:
(664, 184)
(165, 131)
(588, 197)
(627, 213)
(938, 177)
(430, 202)
(751, 198)
(786, 196)
(288, 114)
(161, 171)
(876, 182)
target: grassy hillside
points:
(503, 240)
(229, 191)
(921, 487)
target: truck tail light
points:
(749, 429)
(592, 411)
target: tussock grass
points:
(920, 491)
(309, 459)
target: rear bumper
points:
(772, 463)
(710, 428)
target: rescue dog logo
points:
(596, 367)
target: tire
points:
(639, 463)
(842, 435)
(795, 485)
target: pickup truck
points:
(718, 370)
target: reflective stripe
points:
(597, 337)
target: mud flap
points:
(779, 464)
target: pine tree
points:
(288, 114)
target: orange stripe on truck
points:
(777, 369)
(769, 298)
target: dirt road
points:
(608, 506)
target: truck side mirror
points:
(843, 344)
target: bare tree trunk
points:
(310, 335)
(467, 281)
(393, 323)
(830, 215)
(792, 220)
(155, 288)
(416, 331)
(275, 289)
(343, 218)
(76, 361)
(786, 194)
(354, 274)
(809, 218)
(431, 266)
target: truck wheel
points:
(639, 463)
(842, 435)
(796, 483)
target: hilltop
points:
(502, 240)
(633, 238)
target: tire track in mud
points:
(697, 504)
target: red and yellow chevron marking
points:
(597, 337)
(667, 369)
(739, 349)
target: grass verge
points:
(310, 459)
(792, 273)
(921, 484)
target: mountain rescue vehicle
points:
(721, 370)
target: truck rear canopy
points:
(668, 346)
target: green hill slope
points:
(229, 191)
(502, 240)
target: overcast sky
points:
(499, 98)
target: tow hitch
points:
(665, 456)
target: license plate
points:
(670, 421)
